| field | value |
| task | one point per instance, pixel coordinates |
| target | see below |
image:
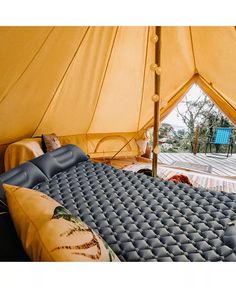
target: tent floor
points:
(221, 178)
(220, 165)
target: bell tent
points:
(94, 86)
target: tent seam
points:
(27, 66)
(103, 80)
(214, 90)
(194, 56)
(144, 77)
(61, 80)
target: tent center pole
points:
(156, 99)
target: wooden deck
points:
(221, 178)
(220, 166)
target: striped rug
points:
(198, 180)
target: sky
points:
(173, 118)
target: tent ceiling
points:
(91, 80)
(215, 54)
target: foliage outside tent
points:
(200, 112)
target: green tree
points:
(166, 130)
(200, 112)
(203, 113)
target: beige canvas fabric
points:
(96, 82)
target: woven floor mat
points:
(198, 180)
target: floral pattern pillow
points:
(49, 232)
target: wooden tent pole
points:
(156, 99)
(196, 140)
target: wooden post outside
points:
(196, 140)
(156, 99)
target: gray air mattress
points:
(141, 218)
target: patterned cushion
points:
(50, 142)
(49, 232)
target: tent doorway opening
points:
(188, 132)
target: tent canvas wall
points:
(95, 83)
